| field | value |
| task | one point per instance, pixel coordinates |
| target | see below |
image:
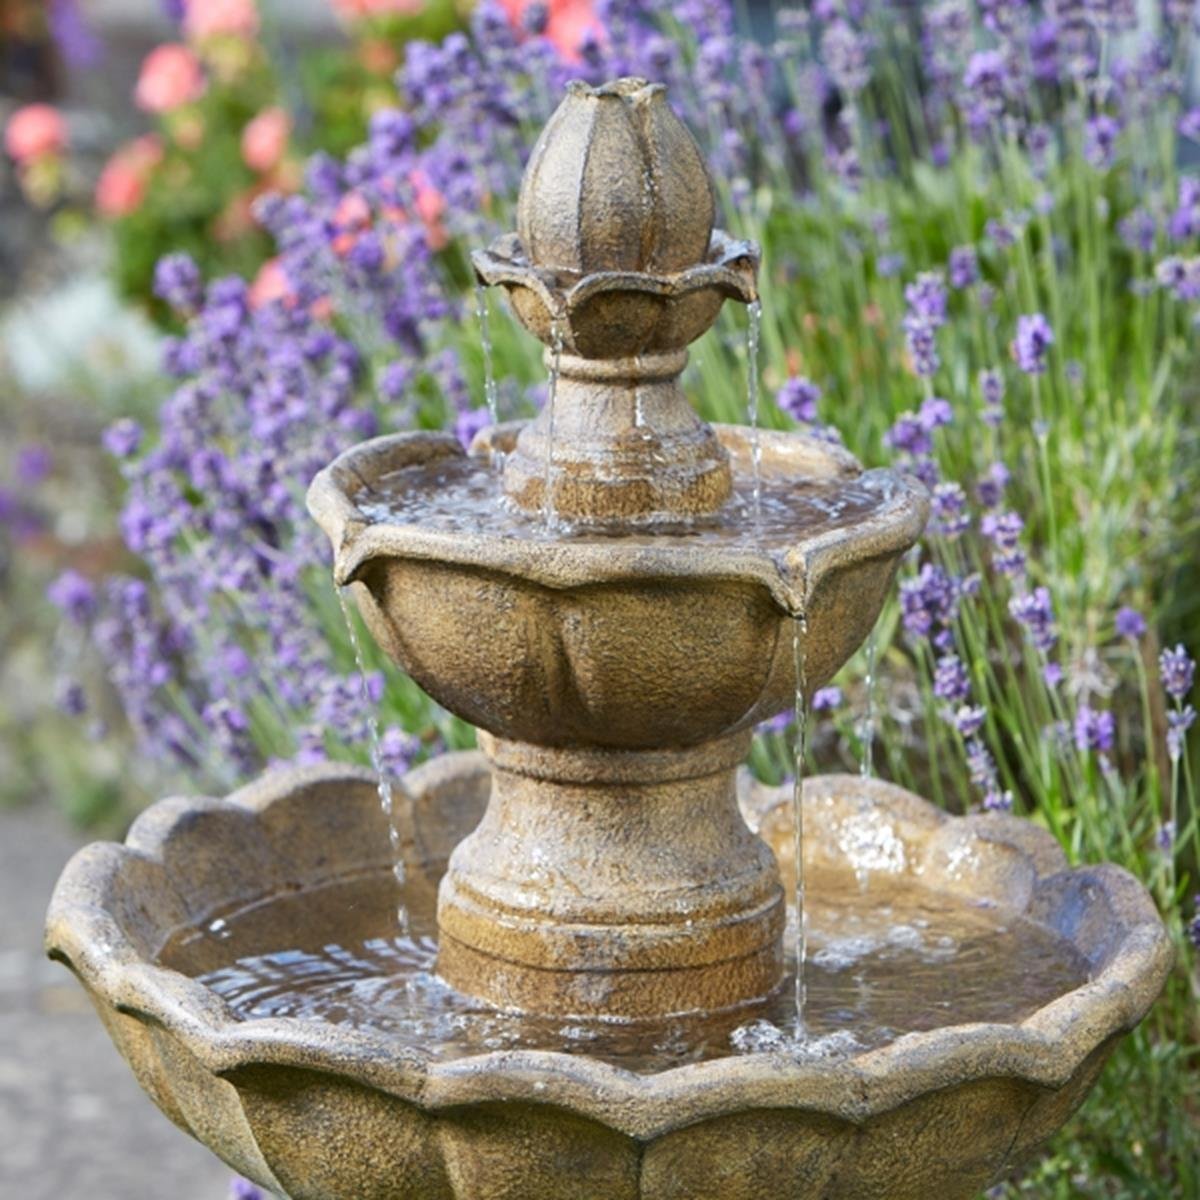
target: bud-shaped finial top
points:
(616, 182)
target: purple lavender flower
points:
(845, 52)
(243, 1189)
(74, 596)
(969, 719)
(177, 281)
(1035, 611)
(798, 397)
(1130, 623)
(122, 438)
(963, 267)
(1177, 671)
(1034, 338)
(1094, 730)
(950, 516)
(34, 464)
(1003, 531)
(75, 38)
(989, 491)
(1193, 929)
(1100, 141)
(950, 680)
(1139, 230)
(1179, 721)
(469, 422)
(1180, 276)
(928, 602)
(1185, 220)
(926, 298)
(826, 699)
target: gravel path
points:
(75, 1124)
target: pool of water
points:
(881, 964)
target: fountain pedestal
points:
(610, 882)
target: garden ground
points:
(76, 1124)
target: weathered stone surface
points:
(325, 1112)
(620, 680)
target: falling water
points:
(489, 371)
(549, 517)
(753, 332)
(867, 728)
(799, 650)
(386, 791)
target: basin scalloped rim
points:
(790, 577)
(1047, 1048)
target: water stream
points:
(867, 728)
(490, 394)
(800, 746)
(387, 795)
(753, 336)
(549, 515)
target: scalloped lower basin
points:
(964, 991)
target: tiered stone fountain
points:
(592, 998)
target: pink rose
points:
(265, 140)
(121, 187)
(220, 18)
(33, 132)
(568, 23)
(271, 284)
(170, 77)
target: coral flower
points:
(567, 23)
(170, 77)
(34, 132)
(270, 284)
(430, 207)
(220, 18)
(121, 187)
(265, 140)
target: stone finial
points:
(616, 182)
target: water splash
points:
(490, 394)
(753, 337)
(387, 796)
(866, 730)
(800, 745)
(549, 515)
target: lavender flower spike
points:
(1034, 338)
(1178, 671)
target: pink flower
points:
(33, 132)
(271, 284)
(431, 207)
(220, 18)
(568, 22)
(170, 77)
(265, 140)
(121, 187)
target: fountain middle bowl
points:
(319, 1109)
(621, 642)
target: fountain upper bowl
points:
(625, 642)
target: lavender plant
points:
(981, 261)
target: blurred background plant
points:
(981, 260)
